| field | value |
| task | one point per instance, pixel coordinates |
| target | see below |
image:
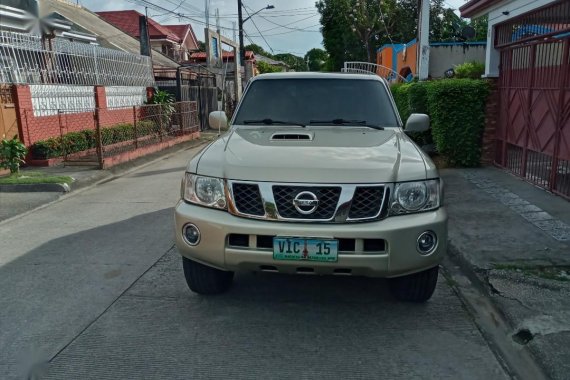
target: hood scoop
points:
(292, 136)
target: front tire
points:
(206, 280)
(417, 287)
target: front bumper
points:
(400, 233)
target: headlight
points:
(410, 197)
(204, 191)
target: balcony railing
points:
(372, 68)
(30, 59)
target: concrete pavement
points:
(515, 238)
(92, 284)
(13, 204)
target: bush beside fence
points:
(457, 111)
(74, 142)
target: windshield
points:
(300, 101)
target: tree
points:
(316, 59)
(294, 62)
(256, 49)
(265, 67)
(339, 41)
(480, 25)
(353, 30)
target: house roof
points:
(397, 47)
(262, 58)
(201, 56)
(107, 34)
(476, 7)
(184, 31)
(128, 22)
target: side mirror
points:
(417, 122)
(218, 120)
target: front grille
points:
(366, 202)
(327, 196)
(247, 199)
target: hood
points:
(313, 154)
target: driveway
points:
(93, 286)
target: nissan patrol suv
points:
(315, 175)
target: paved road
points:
(93, 285)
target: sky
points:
(291, 27)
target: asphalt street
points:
(92, 288)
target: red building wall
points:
(35, 128)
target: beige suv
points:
(315, 175)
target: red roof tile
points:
(182, 31)
(200, 55)
(128, 22)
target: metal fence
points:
(32, 59)
(372, 68)
(102, 136)
(191, 84)
(534, 83)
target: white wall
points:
(445, 57)
(502, 12)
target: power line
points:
(286, 26)
(245, 7)
(293, 31)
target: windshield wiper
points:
(272, 122)
(347, 122)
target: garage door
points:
(534, 127)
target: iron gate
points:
(533, 133)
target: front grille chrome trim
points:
(340, 215)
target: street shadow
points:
(52, 293)
(180, 169)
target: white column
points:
(423, 43)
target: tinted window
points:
(302, 100)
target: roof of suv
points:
(315, 75)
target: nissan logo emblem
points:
(306, 202)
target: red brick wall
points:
(491, 119)
(34, 128)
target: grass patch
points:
(557, 273)
(27, 178)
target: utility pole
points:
(207, 13)
(234, 27)
(240, 28)
(218, 20)
(423, 40)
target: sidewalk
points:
(13, 204)
(516, 238)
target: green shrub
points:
(44, 149)
(469, 70)
(457, 111)
(412, 98)
(400, 92)
(417, 94)
(74, 142)
(90, 138)
(12, 153)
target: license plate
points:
(305, 249)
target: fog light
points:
(191, 234)
(427, 242)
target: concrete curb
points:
(499, 322)
(36, 188)
(104, 176)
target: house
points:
(108, 36)
(175, 41)
(228, 57)
(527, 56)
(278, 64)
(402, 58)
(73, 64)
